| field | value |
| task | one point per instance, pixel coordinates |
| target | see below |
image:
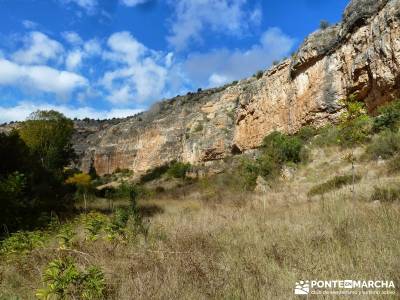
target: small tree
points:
(48, 135)
(324, 24)
(83, 183)
(352, 128)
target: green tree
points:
(354, 129)
(48, 135)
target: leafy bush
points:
(355, 132)
(324, 24)
(355, 126)
(154, 173)
(386, 194)
(282, 148)
(306, 133)
(277, 149)
(384, 145)
(389, 117)
(335, 183)
(248, 171)
(178, 170)
(258, 74)
(22, 242)
(63, 279)
(95, 224)
(327, 136)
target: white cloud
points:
(41, 78)
(92, 47)
(74, 59)
(38, 49)
(222, 16)
(88, 5)
(28, 24)
(72, 37)
(133, 2)
(22, 110)
(223, 65)
(141, 73)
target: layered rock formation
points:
(360, 55)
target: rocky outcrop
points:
(360, 55)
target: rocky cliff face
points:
(359, 55)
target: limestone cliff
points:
(359, 55)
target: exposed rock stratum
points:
(360, 55)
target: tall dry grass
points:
(220, 244)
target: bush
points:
(388, 118)
(328, 135)
(386, 194)
(384, 145)
(22, 242)
(259, 74)
(178, 170)
(324, 24)
(63, 279)
(335, 183)
(306, 133)
(248, 172)
(155, 173)
(355, 132)
(282, 148)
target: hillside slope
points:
(359, 55)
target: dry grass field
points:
(236, 245)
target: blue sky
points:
(113, 58)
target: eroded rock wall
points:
(359, 55)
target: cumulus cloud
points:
(74, 60)
(38, 49)
(222, 16)
(140, 74)
(223, 65)
(22, 110)
(41, 78)
(72, 37)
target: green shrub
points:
(155, 173)
(384, 145)
(248, 172)
(63, 279)
(258, 74)
(324, 24)
(335, 183)
(328, 135)
(282, 148)
(306, 133)
(178, 170)
(389, 117)
(386, 194)
(22, 242)
(355, 132)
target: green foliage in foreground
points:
(333, 184)
(65, 280)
